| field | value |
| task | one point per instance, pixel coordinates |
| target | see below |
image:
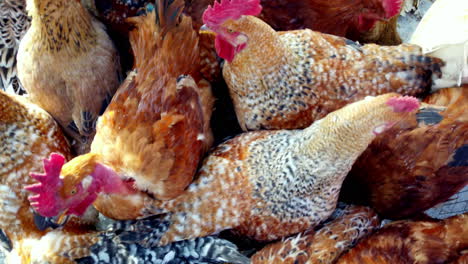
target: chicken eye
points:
(72, 192)
(230, 31)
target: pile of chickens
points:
(238, 131)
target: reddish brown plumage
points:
(419, 242)
(324, 245)
(417, 163)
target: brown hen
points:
(154, 133)
(418, 163)
(418, 242)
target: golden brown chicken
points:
(27, 135)
(325, 245)
(69, 66)
(421, 242)
(263, 184)
(418, 163)
(153, 135)
(286, 80)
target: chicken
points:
(418, 163)
(154, 133)
(325, 245)
(443, 33)
(264, 184)
(13, 25)
(69, 66)
(113, 246)
(418, 242)
(286, 80)
(27, 134)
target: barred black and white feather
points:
(122, 243)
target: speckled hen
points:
(13, 25)
(266, 184)
(27, 135)
(325, 245)
(153, 135)
(286, 80)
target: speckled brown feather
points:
(286, 80)
(271, 184)
(326, 244)
(28, 134)
(414, 166)
(69, 66)
(419, 242)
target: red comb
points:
(45, 199)
(392, 7)
(230, 9)
(403, 104)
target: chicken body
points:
(13, 25)
(157, 129)
(327, 243)
(27, 134)
(420, 242)
(153, 135)
(418, 163)
(270, 184)
(286, 80)
(69, 66)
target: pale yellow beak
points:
(206, 30)
(63, 218)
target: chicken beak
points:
(206, 30)
(42, 223)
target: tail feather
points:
(165, 37)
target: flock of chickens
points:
(238, 131)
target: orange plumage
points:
(418, 163)
(151, 138)
(420, 242)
